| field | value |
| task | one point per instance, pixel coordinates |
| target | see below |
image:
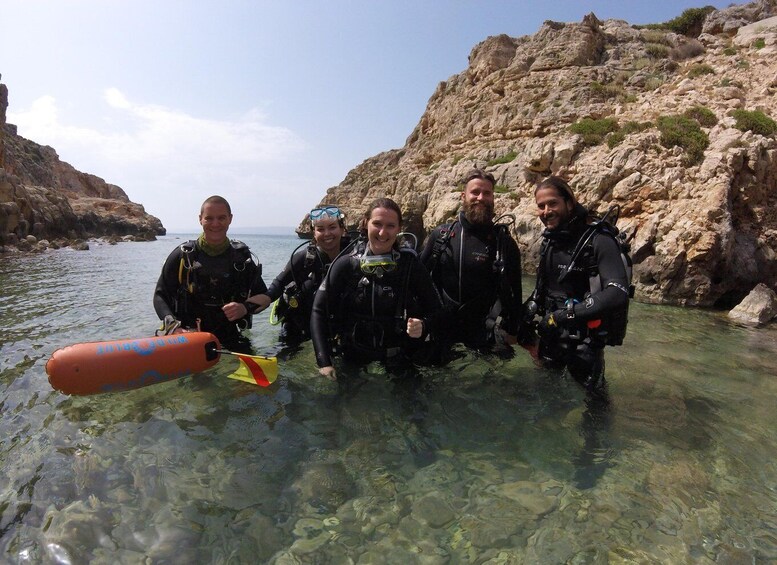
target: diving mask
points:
(377, 265)
(326, 211)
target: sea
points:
(488, 460)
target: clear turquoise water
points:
(489, 462)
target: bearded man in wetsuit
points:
(576, 317)
(476, 266)
(205, 283)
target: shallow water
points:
(487, 461)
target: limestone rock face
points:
(704, 232)
(43, 196)
(729, 20)
(758, 307)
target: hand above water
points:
(415, 327)
(236, 310)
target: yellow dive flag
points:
(256, 370)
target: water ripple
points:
(487, 460)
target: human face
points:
(215, 220)
(552, 209)
(478, 201)
(382, 230)
(327, 234)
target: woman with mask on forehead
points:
(295, 286)
(378, 303)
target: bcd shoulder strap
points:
(186, 263)
(311, 253)
(441, 242)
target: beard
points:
(478, 213)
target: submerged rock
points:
(324, 485)
(77, 529)
(433, 510)
(758, 308)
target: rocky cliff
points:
(675, 127)
(43, 197)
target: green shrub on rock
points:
(616, 137)
(594, 131)
(700, 69)
(703, 115)
(656, 36)
(679, 131)
(657, 50)
(633, 127)
(506, 158)
(690, 21)
(607, 91)
(755, 121)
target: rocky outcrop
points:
(44, 197)
(704, 229)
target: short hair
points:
(386, 203)
(478, 174)
(561, 186)
(215, 199)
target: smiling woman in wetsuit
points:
(376, 301)
(295, 287)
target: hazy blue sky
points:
(265, 103)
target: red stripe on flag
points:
(256, 371)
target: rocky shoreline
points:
(31, 244)
(46, 203)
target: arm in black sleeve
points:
(426, 254)
(429, 300)
(615, 284)
(327, 299)
(167, 285)
(280, 282)
(293, 271)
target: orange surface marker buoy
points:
(109, 366)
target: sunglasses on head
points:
(325, 211)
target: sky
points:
(265, 103)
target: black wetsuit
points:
(295, 288)
(368, 314)
(464, 271)
(194, 285)
(577, 340)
